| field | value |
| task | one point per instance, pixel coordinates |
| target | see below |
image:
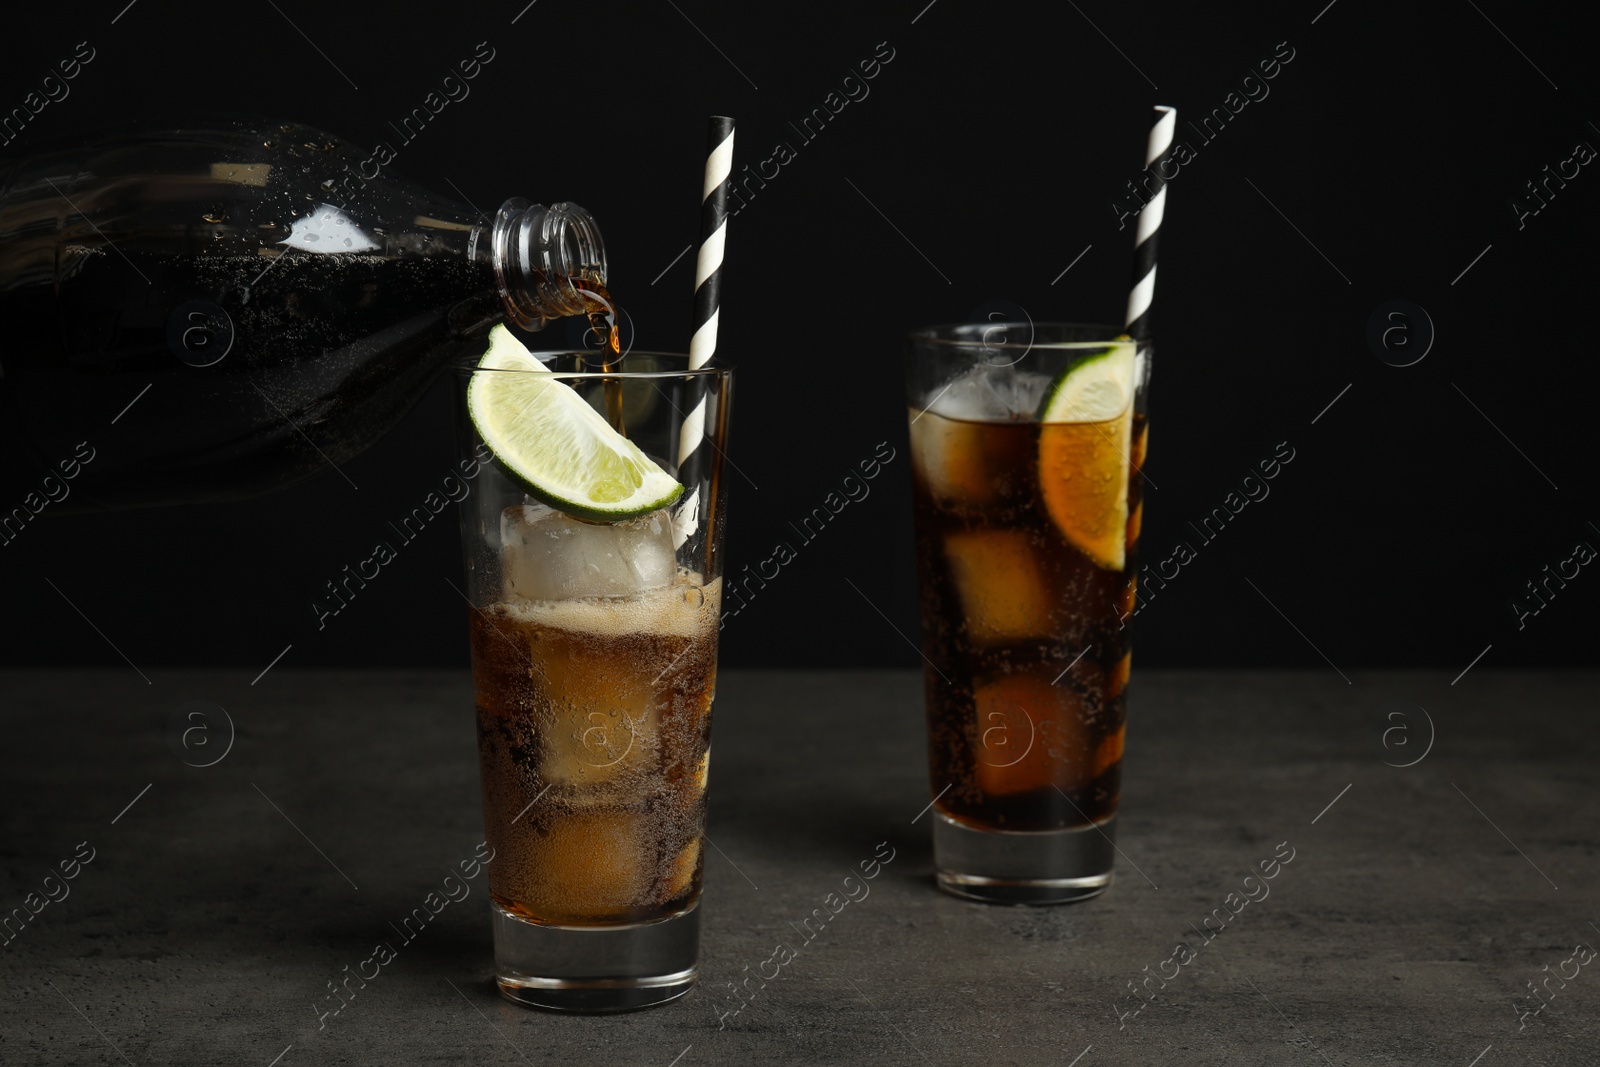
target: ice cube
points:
(967, 465)
(970, 396)
(600, 733)
(1005, 595)
(550, 555)
(600, 754)
(963, 461)
(985, 394)
(1031, 734)
(1023, 391)
(586, 866)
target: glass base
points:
(1032, 867)
(595, 968)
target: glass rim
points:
(714, 368)
(940, 335)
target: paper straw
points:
(708, 275)
(1143, 293)
(707, 312)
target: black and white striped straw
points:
(1143, 293)
(708, 275)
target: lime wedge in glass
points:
(1098, 386)
(554, 444)
(1087, 423)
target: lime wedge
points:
(1097, 387)
(1084, 464)
(554, 444)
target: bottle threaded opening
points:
(548, 262)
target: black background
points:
(1382, 162)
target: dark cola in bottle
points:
(215, 311)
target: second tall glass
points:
(1027, 442)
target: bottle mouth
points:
(575, 250)
(549, 262)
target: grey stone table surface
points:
(211, 906)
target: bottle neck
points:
(549, 262)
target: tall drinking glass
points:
(594, 652)
(1027, 441)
